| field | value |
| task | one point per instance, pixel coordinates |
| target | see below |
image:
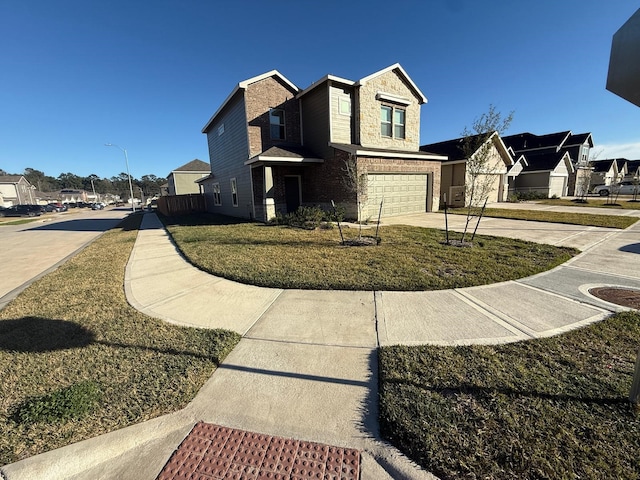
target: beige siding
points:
(341, 124)
(369, 113)
(184, 182)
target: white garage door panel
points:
(557, 186)
(402, 194)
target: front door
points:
(292, 193)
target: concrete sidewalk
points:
(307, 364)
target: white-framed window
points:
(217, 198)
(344, 105)
(234, 192)
(399, 121)
(276, 124)
(392, 121)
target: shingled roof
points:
(528, 141)
(543, 161)
(194, 166)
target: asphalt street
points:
(31, 250)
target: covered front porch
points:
(278, 178)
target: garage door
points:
(400, 193)
(557, 186)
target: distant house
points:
(70, 195)
(577, 147)
(274, 147)
(633, 171)
(182, 180)
(454, 174)
(16, 190)
(546, 173)
(606, 172)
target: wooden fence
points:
(181, 204)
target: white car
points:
(623, 188)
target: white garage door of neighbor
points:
(400, 193)
(557, 186)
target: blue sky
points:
(147, 76)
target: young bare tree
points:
(583, 176)
(356, 182)
(481, 165)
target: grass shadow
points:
(39, 335)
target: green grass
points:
(408, 258)
(73, 328)
(609, 221)
(8, 221)
(624, 203)
(549, 408)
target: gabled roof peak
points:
(403, 73)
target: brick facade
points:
(262, 96)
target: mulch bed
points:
(625, 297)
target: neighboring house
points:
(454, 176)
(576, 146)
(546, 173)
(182, 180)
(70, 195)
(164, 190)
(274, 147)
(606, 172)
(16, 190)
(633, 171)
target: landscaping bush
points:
(71, 402)
(305, 217)
(526, 196)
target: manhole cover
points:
(626, 297)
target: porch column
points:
(268, 194)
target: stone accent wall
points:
(260, 97)
(369, 113)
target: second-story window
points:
(392, 121)
(398, 122)
(276, 123)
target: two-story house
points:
(555, 162)
(182, 180)
(274, 147)
(16, 190)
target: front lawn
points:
(77, 361)
(623, 202)
(609, 221)
(550, 408)
(408, 258)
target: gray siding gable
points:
(315, 120)
(227, 153)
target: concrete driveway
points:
(558, 234)
(31, 250)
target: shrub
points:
(71, 402)
(305, 217)
(524, 196)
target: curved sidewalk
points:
(307, 364)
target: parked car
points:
(59, 207)
(96, 206)
(23, 211)
(623, 188)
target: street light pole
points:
(126, 159)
